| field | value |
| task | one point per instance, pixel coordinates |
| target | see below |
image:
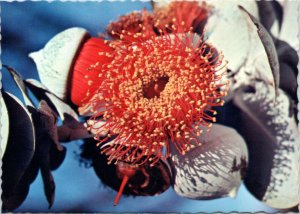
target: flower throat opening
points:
(155, 87)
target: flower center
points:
(155, 87)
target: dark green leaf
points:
(16, 199)
(288, 60)
(4, 125)
(288, 81)
(269, 13)
(287, 54)
(56, 157)
(22, 189)
(20, 147)
(46, 136)
(19, 81)
(49, 185)
(269, 46)
(272, 137)
(42, 93)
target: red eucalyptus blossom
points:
(154, 85)
(149, 90)
(154, 92)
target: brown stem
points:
(66, 133)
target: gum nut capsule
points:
(213, 169)
(145, 180)
(67, 64)
(55, 60)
